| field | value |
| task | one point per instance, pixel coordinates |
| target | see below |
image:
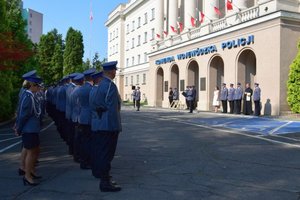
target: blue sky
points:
(62, 14)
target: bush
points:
(6, 89)
(293, 84)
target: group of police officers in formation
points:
(86, 110)
(234, 97)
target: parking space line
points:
(279, 127)
(9, 139)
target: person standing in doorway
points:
(230, 98)
(216, 100)
(256, 99)
(248, 100)
(223, 98)
(138, 98)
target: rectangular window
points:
(126, 81)
(127, 62)
(117, 48)
(166, 86)
(127, 28)
(137, 79)
(127, 45)
(144, 79)
(117, 32)
(145, 57)
(133, 26)
(145, 37)
(132, 63)
(110, 36)
(146, 18)
(131, 80)
(152, 14)
(182, 85)
(139, 59)
(114, 34)
(132, 43)
(139, 40)
(152, 34)
(202, 84)
(139, 22)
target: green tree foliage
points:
(293, 84)
(50, 56)
(73, 53)
(96, 62)
(16, 55)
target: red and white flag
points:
(157, 35)
(193, 21)
(201, 20)
(180, 25)
(91, 16)
(166, 33)
(229, 5)
(173, 29)
(217, 11)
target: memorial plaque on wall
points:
(202, 84)
(181, 85)
(166, 86)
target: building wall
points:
(34, 27)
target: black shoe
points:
(25, 182)
(21, 172)
(109, 187)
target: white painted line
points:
(10, 139)
(276, 129)
(11, 146)
(243, 134)
(288, 138)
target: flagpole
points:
(91, 29)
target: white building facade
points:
(34, 24)
(203, 44)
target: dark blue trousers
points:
(103, 151)
(85, 143)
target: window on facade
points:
(145, 57)
(113, 50)
(152, 14)
(131, 80)
(132, 43)
(127, 28)
(117, 32)
(146, 18)
(144, 78)
(126, 81)
(139, 40)
(110, 36)
(152, 34)
(30, 22)
(30, 15)
(137, 79)
(127, 62)
(110, 50)
(127, 45)
(133, 26)
(139, 59)
(145, 37)
(139, 22)
(117, 48)
(132, 61)
(114, 34)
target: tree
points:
(96, 62)
(50, 56)
(293, 84)
(73, 53)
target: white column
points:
(189, 11)
(209, 10)
(173, 16)
(237, 5)
(159, 15)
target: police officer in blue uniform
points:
(230, 98)
(223, 98)
(256, 99)
(84, 127)
(106, 126)
(28, 125)
(190, 98)
(238, 95)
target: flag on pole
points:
(217, 11)
(229, 5)
(157, 35)
(91, 16)
(201, 17)
(173, 29)
(166, 33)
(193, 21)
(180, 25)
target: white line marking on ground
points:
(10, 139)
(279, 127)
(12, 145)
